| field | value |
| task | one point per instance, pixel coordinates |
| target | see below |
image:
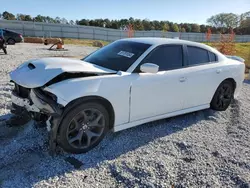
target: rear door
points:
(162, 92)
(202, 74)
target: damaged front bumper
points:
(35, 101)
(41, 106)
(23, 102)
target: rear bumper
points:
(19, 39)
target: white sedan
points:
(124, 84)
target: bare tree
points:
(227, 20)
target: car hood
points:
(38, 72)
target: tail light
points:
(20, 36)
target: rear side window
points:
(212, 57)
(197, 55)
(166, 57)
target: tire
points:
(11, 41)
(4, 50)
(81, 130)
(223, 96)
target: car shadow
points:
(38, 165)
(133, 138)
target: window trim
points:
(163, 45)
(209, 54)
(194, 65)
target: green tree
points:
(138, 25)
(114, 24)
(203, 28)
(107, 23)
(92, 23)
(20, 17)
(28, 18)
(245, 26)
(188, 28)
(224, 20)
(195, 28)
(8, 16)
(131, 20)
(157, 25)
(125, 22)
(165, 27)
(175, 28)
(39, 18)
(83, 22)
(146, 24)
(183, 30)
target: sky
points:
(179, 11)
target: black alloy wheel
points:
(83, 128)
(223, 96)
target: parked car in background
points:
(12, 37)
(2, 42)
(124, 84)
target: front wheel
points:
(223, 96)
(83, 127)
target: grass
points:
(242, 50)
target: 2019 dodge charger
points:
(124, 84)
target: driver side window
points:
(167, 57)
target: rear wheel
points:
(223, 96)
(11, 41)
(83, 127)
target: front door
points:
(162, 92)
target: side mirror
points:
(149, 68)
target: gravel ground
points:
(201, 149)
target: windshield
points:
(118, 56)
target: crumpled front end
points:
(37, 103)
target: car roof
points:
(156, 41)
(10, 31)
(161, 41)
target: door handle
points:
(182, 79)
(218, 71)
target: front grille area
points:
(22, 91)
